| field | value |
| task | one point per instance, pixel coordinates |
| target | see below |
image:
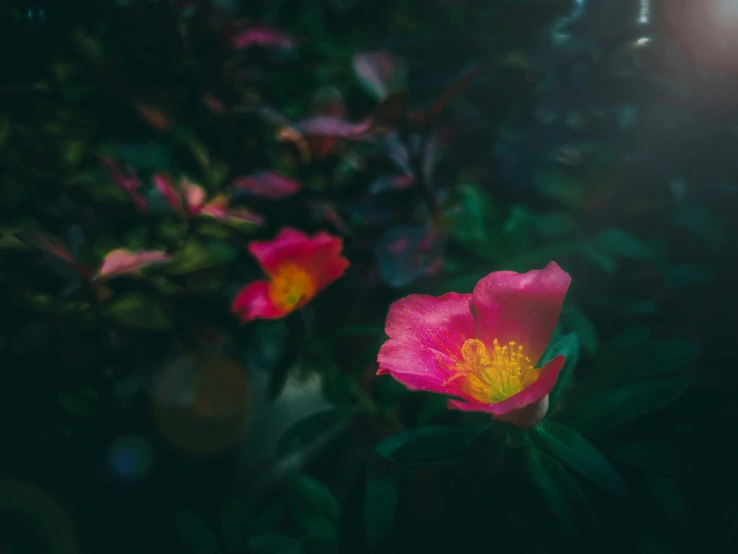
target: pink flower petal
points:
(253, 302)
(426, 334)
(193, 194)
(267, 184)
(288, 244)
(122, 261)
(524, 308)
(263, 36)
(319, 256)
(163, 184)
(535, 392)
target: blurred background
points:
(441, 140)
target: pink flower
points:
(190, 200)
(298, 267)
(481, 347)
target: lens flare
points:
(212, 416)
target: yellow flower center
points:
(493, 376)
(290, 284)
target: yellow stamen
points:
(289, 285)
(493, 376)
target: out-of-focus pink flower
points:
(381, 73)
(190, 200)
(215, 104)
(323, 131)
(298, 267)
(267, 184)
(481, 347)
(127, 180)
(259, 35)
(126, 262)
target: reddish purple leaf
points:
(407, 253)
(328, 212)
(266, 37)
(267, 184)
(215, 104)
(399, 182)
(381, 73)
(126, 262)
(335, 127)
(48, 243)
(163, 184)
(219, 208)
(127, 181)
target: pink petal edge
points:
(524, 308)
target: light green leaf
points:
(138, 311)
(581, 455)
(200, 254)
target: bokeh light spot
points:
(131, 457)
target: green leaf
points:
(199, 254)
(559, 489)
(622, 244)
(313, 507)
(641, 307)
(138, 311)
(598, 258)
(430, 446)
(474, 223)
(623, 404)
(380, 504)
(654, 457)
(312, 427)
(543, 255)
(274, 544)
(75, 403)
(629, 337)
(580, 455)
(650, 359)
(195, 532)
(568, 346)
(233, 522)
(668, 496)
(578, 322)
(267, 520)
(697, 219)
(688, 276)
